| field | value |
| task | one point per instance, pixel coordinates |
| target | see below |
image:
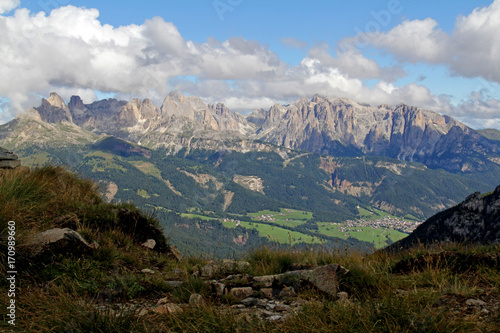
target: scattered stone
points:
(147, 271)
(267, 292)
(265, 280)
(342, 296)
(282, 308)
(196, 300)
(143, 312)
(149, 244)
(218, 287)
(475, 302)
(174, 284)
(275, 318)
(225, 267)
(163, 300)
(249, 301)
(168, 308)
(242, 292)
(175, 253)
(287, 292)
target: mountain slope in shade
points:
(475, 220)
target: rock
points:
(147, 271)
(287, 292)
(275, 318)
(58, 241)
(324, 278)
(342, 297)
(149, 244)
(163, 300)
(249, 301)
(142, 312)
(175, 253)
(265, 281)
(225, 267)
(218, 287)
(9, 164)
(8, 160)
(242, 292)
(174, 284)
(196, 300)
(267, 292)
(168, 308)
(282, 308)
(475, 302)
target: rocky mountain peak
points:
(76, 102)
(54, 109)
(56, 101)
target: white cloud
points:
(294, 43)
(471, 50)
(8, 5)
(70, 51)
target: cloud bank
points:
(70, 51)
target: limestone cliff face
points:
(54, 110)
(475, 220)
(339, 126)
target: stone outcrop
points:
(57, 241)
(475, 220)
(8, 160)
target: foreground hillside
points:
(127, 278)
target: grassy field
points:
(378, 237)
(192, 216)
(277, 234)
(286, 217)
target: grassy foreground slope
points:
(416, 291)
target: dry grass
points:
(422, 290)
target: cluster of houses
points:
(405, 226)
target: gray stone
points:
(149, 244)
(58, 241)
(9, 164)
(225, 267)
(147, 271)
(249, 301)
(174, 284)
(267, 292)
(475, 302)
(196, 300)
(242, 293)
(287, 292)
(265, 281)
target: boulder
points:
(8, 160)
(225, 267)
(58, 241)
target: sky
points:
(249, 54)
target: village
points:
(402, 225)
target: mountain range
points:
(329, 156)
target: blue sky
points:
(438, 55)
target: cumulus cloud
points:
(70, 51)
(8, 5)
(471, 50)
